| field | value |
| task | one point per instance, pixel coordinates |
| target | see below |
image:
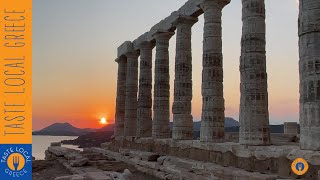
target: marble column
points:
(121, 96)
(144, 126)
(254, 114)
(161, 111)
(181, 109)
(130, 119)
(309, 67)
(212, 118)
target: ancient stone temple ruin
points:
(309, 66)
(143, 127)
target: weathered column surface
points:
(254, 114)
(144, 126)
(130, 120)
(309, 65)
(290, 128)
(161, 111)
(212, 119)
(121, 96)
(181, 109)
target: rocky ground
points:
(46, 170)
(67, 164)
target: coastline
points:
(42, 142)
(93, 139)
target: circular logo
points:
(299, 166)
(16, 162)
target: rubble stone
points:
(146, 156)
(97, 176)
(55, 144)
(72, 177)
(59, 151)
(79, 162)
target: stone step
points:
(170, 166)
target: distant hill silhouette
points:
(62, 129)
(66, 129)
(108, 127)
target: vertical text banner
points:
(15, 89)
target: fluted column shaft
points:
(161, 118)
(309, 67)
(144, 126)
(121, 96)
(181, 109)
(130, 120)
(212, 118)
(254, 114)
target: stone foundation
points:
(174, 168)
(275, 159)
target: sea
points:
(41, 143)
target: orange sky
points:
(74, 47)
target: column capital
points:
(214, 4)
(185, 20)
(133, 55)
(121, 59)
(163, 35)
(146, 45)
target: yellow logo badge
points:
(16, 162)
(299, 166)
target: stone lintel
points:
(140, 41)
(219, 4)
(124, 48)
(185, 20)
(164, 25)
(191, 8)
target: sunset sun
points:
(103, 121)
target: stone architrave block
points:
(191, 8)
(125, 48)
(137, 42)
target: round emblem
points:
(299, 166)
